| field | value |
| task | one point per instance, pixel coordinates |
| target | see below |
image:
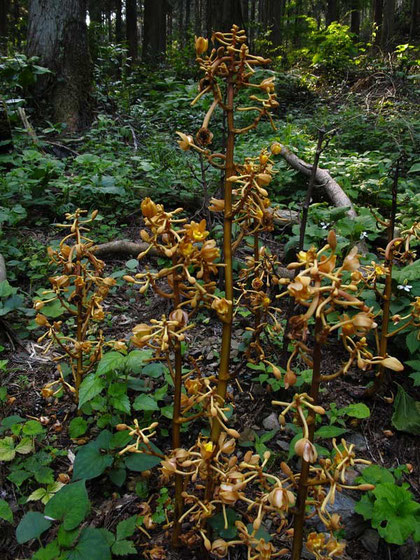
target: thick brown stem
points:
(299, 519)
(176, 421)
(387, 293)
(223, 377)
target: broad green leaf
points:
(120, 439)
(5, 511)
(44, 475)
(375, 474)
(408, 273)
(136, 360)
(414, 168)
(90, 462)
(10, 421)
(89, 388)
(365, 506)
(413, 344)
(50, 552)
(329, 432)
(126, 528)
(70, 505)
(111, 362)
(77, 427)
(395, 513)
(25, 446)
(31, 526)
(6, 289)
(37, 494)
(91, 546)
(122, 548)
(406, 417)
(217, 523)
(145, 403)
(67, 538)
(7, 449)
(357, 410)
(154, 370)
(121, 403)
(32, 428)
(140, 462)
(118, 476)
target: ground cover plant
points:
(236, 379)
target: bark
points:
(355, 18)
(222, 14)
(131, 29)
(57, 34)
(377, 19)
(332, 12)
(414, 24)
(274, 20)
(322, 178)
(118, 22)
(95, 11)
(4, 10)
(154, 38)
(388, 24)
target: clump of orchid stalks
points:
(80, 287)
(329, 295)
(227, 69)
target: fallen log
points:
(322, 178)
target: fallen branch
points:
(3, 274)
(323, 179)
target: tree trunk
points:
(131, 28)
(95, 11)
(222, 14)
(388, 24)
(274, 20)
(378, 8)
(118, 22)
(197, 18)
(355, 18)
(57, 34)
(332, 12)
(4, 10)
(414, 24)
(154, 39)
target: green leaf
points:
(70, 505)
(111, 362)
(407, 274)
(394, 513)
(357, 410)
(120, 439)
(122, 548)
(44, 475)
(7, 449)
(136, 359)
(31, 526)
(413, 344)
(406, 417)
(90, 462)
(365, 507)
(91, 546)
(10, 421)
(329, 432)
(25, 446)
(154, 370)
(89, 388)
(5, 511)
(67, 538)
(37, 494)
(6, 289)
(139, 462)
(375, 474)
(414, 168)
(32, 428)
(126, 528)
(118, 476)
(50, 552)
(217, 523)
(121, 403)
(77, 427)
(145, 403)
